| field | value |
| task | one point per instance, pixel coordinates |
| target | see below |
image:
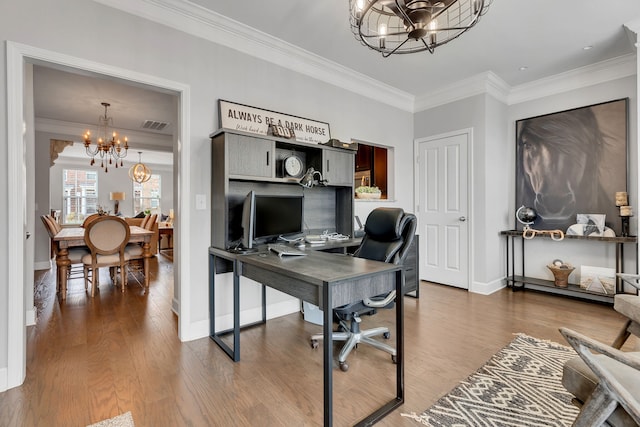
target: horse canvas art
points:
(572, 162)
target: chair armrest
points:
(631, 279)
(581, 343)
(373, 303)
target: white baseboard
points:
(30, 316)
(175, 306)
(487, 288)
(201, 328)
(3, 380)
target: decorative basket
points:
(561, 274)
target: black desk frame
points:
(256, 267)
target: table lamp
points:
(116, 196)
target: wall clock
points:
(293, 166)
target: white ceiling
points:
(545, 36)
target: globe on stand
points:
(526, 216)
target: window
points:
(371, 169)
(146, 196)
(80, 195)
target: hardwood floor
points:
(91, 359)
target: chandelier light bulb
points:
(409, 26)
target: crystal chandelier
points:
(139, 172)
(108, 145)
(408, 26)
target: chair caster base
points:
(314, 343)
(344, 367)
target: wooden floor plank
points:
(90, 359)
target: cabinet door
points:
(338, 167)
(249, 156)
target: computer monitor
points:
(267, 217)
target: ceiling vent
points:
(154, 125)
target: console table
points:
(522, 281)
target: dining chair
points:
(106, 237)
(75, 254)
(135, 251)
(88, 220)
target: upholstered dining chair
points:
(135, 251)
(106, 237)
(88, 219)
(606, 384)
(75, 254)
(389, 233)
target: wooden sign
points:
(262, 122)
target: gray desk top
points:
(349, 279)
(319, 267)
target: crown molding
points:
(198, 21)
(484, 83)
(634, 26)
(601, 72)
(193, 19)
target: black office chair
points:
(389, 233)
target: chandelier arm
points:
(430, 48)
(395, 49)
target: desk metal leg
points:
(233, 353)
(399, 400)
(328, 355)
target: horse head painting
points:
(572, 162)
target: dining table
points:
(69, 237)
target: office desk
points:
(326, 280)
(70, 237)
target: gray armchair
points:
(605, 385)
(389, 233)
(629, 306)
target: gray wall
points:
(493, 204)
(212, 72)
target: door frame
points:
(468, 132)
(17, 56)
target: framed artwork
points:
(572, 162)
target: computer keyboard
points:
(285, 250)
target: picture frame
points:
(571, 162)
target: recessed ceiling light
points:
(587, 47)
(523, 68)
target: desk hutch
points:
(243, 162)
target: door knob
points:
(28, 234)
(462, 219)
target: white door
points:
(442, 209)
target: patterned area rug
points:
(520, 386)
(123, 420)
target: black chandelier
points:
(409, 26)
